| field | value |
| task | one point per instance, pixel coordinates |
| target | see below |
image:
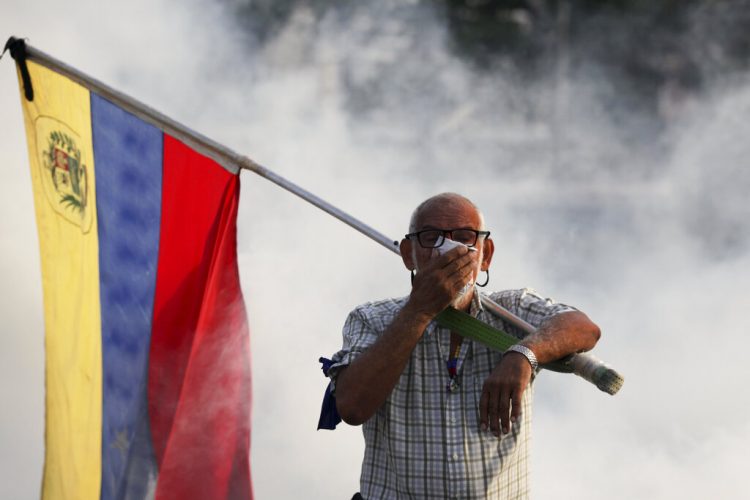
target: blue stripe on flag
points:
(128, 163)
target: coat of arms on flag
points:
(65, 175)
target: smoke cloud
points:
(644, 228)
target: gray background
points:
(643, 228)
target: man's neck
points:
(465, 304)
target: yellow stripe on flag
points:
(58, 128)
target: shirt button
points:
(453, 420)
(455, 456)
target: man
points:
(446, 417)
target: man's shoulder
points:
(517, 294)
(378, 313)
(530, 305)
(508, 297)
(389, 306)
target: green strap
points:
(470, 327)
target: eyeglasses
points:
(433, 238)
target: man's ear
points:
(406, 254)
(488, 248)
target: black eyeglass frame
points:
(447, 233)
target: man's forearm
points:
(564, 334)
(364, 385)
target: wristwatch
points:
(528, 353)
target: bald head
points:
(443, 204)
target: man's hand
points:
(502, 392)
(563, 334)
(436, 284)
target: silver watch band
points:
(528, 353)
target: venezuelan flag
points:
(147, 355)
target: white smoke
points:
(373, 112)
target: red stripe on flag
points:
(199, 365)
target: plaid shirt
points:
(424, 441)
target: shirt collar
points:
(475, 308)
(476, 303)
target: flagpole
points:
(225, 156)
(584, 365)
(357, 224)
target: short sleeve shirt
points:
(425, 441)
